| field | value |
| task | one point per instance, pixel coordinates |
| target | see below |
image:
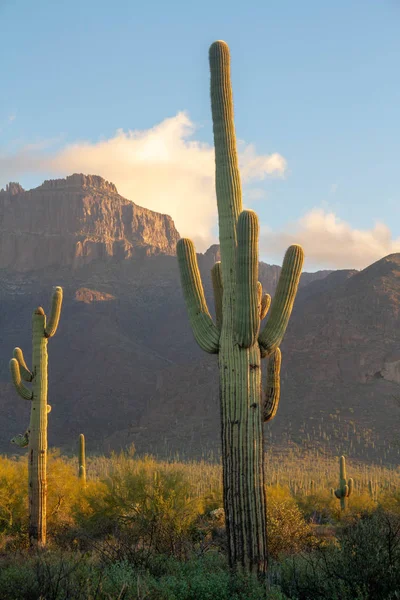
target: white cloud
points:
(162, 168)
(329, 242)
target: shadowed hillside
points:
(124, 366)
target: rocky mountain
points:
(124, 367)
(74, 221)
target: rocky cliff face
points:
(74, 221)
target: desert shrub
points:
(63, 576)
(13, 496)
(319, 508)
(142, 509)
(390, 501)
(288, 532)
(359, 504)
(363, 563)
(49, 576)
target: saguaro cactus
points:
(373, 490)
(236, 336)
(35, 437)
(82, 459)
(345, 486)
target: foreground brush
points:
(35, 436)
(236, 336)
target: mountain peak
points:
(12, 189)
(79, 181)
(75, 221)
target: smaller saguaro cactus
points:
(35, 437)
(345, 486)
(82, 460)
(373, 490)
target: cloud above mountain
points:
(329, 242)
(162, 168)
(166, 169)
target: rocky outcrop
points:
(75, 221)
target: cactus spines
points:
(240, 307)
(82, 459)
(35, 436)
(345, 486)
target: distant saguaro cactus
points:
(373, 490)
(345, 486)
(82, 459)
(35, 437)
(240, 306)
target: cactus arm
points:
(25, 372)
(350, 485)
(342, 467)
(55, 313)
(216, 277)
(21, 440)
(23, 391)
(204, 330)
(345, 487)
(272, 394)
(265, 304)
(282, 304)
(247, 318)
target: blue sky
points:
(315, 82)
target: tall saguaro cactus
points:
(236, 336)
(345, 486)
(35, 436)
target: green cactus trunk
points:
(345, 488)
(243, 454)
(37, 451)
(240, 306)
(35, 436)
(82, 460)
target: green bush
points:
(57, 576)
(363, 563)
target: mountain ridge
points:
(124, 366)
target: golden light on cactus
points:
(240, 306)
(345, 486)
(35, 437)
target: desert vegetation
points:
(143, 528)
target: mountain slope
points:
(124, 366)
